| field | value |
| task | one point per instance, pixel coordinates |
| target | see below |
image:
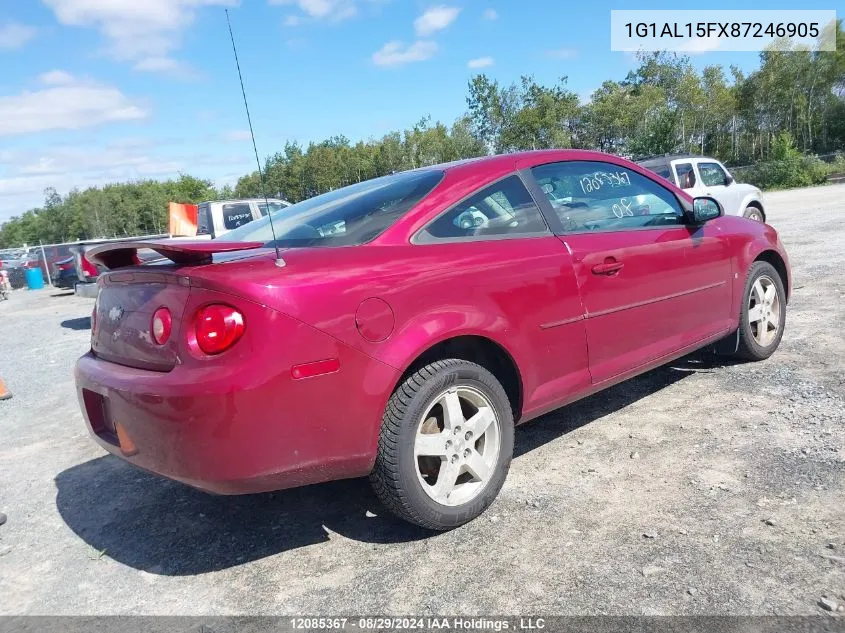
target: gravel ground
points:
(698, 488)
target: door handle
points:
(609, 267)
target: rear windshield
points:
(661, 169)
(352, 215)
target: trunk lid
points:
(121, 331)
(129, 296)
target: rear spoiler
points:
(121, 254)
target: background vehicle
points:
(466, 298)
(63, 273)
(16, 262)
(87, 272)
(219, 217)
(702, 176)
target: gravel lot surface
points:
(698, 488)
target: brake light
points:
(162, 324)
(88, 269)
(218, 327)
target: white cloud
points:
(699, 45)
(135, 29)
(166, 65)
(435, 19)
(236, 136)
(55, 78)
(14, 35)
(292, 20)
(480, 62)
(329, 10)
(395, 53)
(563, 53)
(490, 14)
(30, 171)
(70, 105)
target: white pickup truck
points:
(221, 216)
(702, 176)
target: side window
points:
(596, 196)
(686, 176)
(203, 220)
(712, 174)
(504, 208)
(235, 215)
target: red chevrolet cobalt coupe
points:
(411, 321)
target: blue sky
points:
(96, 91)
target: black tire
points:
(749, 348)
(394, 477)
(753, 212)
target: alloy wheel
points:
(764, 311)
(457, 445)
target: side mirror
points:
(729, 180)
(705, 209)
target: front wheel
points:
(445, 446)
(753, 212)
(763, 315)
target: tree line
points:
(791, 106)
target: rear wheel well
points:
(773, 258)
(482, 351)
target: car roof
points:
(526, 158)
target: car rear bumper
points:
(86, 289)
(224, 431)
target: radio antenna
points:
(279, 261)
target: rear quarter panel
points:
(504, 290)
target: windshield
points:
(349, 216)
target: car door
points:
(650, 284)
(514, 272)
(715, 183)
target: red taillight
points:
(162, 324)
(88, 269)
(218, 327)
